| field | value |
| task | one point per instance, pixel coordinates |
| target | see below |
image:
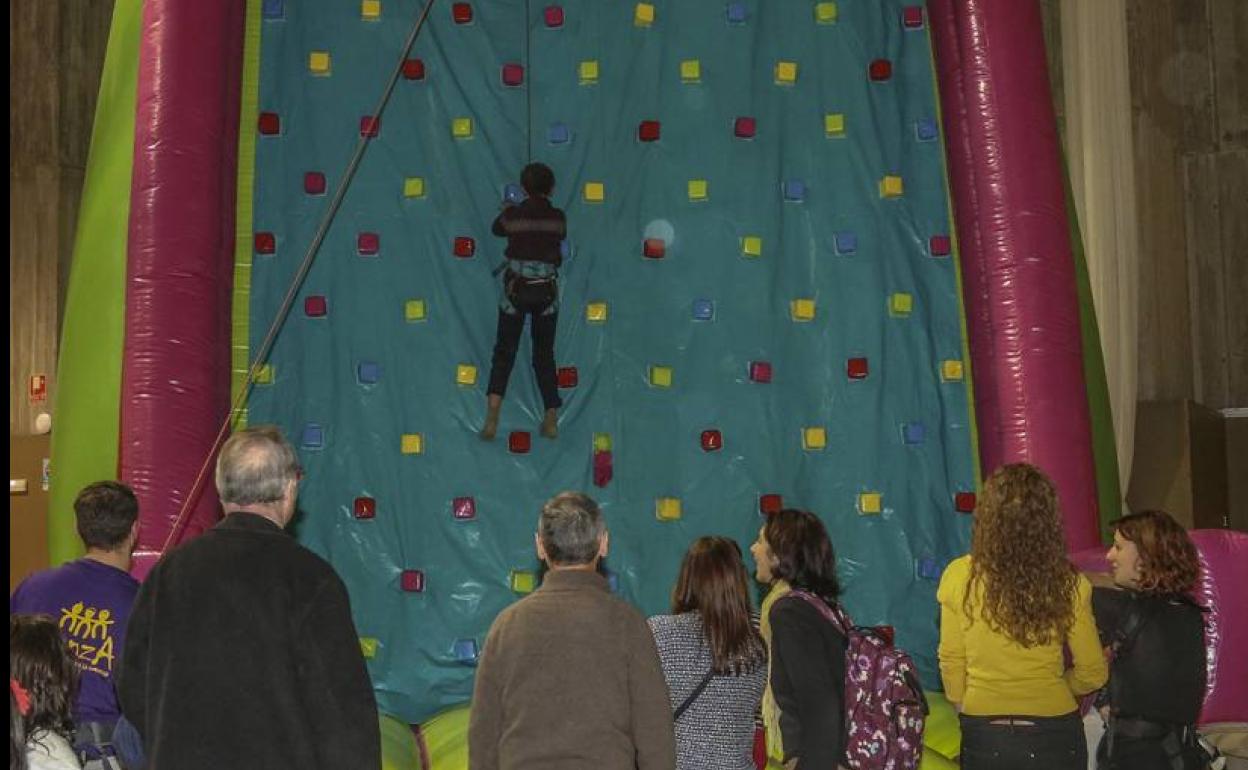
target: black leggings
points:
(1048, 743)
(510, 327)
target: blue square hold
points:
(369, 372)
(613, 581)
(565, 249)
(559, 134)
(273, 9)
(737, 13)
(794, 190)
(913, 433)
(703, 310)
(512, 193)
(465, 651)
(846, 242)
(925, 130)
(928, 568)
(313, 436)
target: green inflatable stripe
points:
(84, 444)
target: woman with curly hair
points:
(42, 682)
(1007, 611)
(1156, 634)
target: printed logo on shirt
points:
(89, 637)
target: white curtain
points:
(1099, 150)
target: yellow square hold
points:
(802, 309)
(412, 444)
(870, 503)
(951, 370)
(264, 374)
(691, 71)
(752, 246)
(834, 124)
(461, 128)
(643, 15)
(588, 71)
(814, 439)
(414, 310)
(318, 62)
(602, 442)
(370, 10)
(661, 376)
(667, 508)
(465, 374)
(522, 581)
(697, 189)
(368, 647)
(825, 13)
(595, 192)
(900, 303)
(891, 187)
(596, 312)
(414, 187)
(786, 72)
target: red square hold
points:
(368, 244)
(314, 183)
(464, 508)
(648, 131)
(744, 128)
(266, 243)
(412, 580)
(364, 507)
(414, 69)
(856, 368)
(768, 504)
(881, 70)
(370, 126)
(964, 502)
(653, 248)
(270, 124)
(465, 247)
(553, 15)
(519, 441)
(760, 371)
(939, 245)
(513, 75)
(315, 306)
(712, 440)
(912, 17)
(461, 13)
(567, 376)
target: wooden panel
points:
(83, 39)
(1205, 271)
(1236, 461)
(32, 82)
(1230, 70)
(28, 512)
(1233, 200)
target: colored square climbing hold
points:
(465, 651)
(845, 242)
(643, 15)
(596, 312)
(314, 183)
(513, 75)
(368, 372)
(834, 125)
(912, 17)
(870, 502)
(264, 374)
(370, 126)
(519, 442)
(464, 246)
(660, 376)
(703, 310)
(461, 128)
(465, 374)
(315, 306)
(925, 130)
(412, 580)
(880, 70)
(653, 248)
(814, 438)
(595, 192)
(269, 124)
(857, 368)
(414, 187)
(588, 71)
(602, 442)
(770, 503)
(802, 309)
(690, 71)
(414, 310)
(786, 72)
(364, 508)
(369, 646)
(370, 10)
(567, 376)
(412, 444)
(464, 508)
(553, 16)
(744, 127)
(313, 436)
(513, 193)
(794, 190)
(825, 13)
(712, 440)
(558, 134)
(273, 10)
(265, 243)
(760, 371)
(752, 246)
(522, 581)
(891, 186)
(648, 131)
(461, 13)
(368, 244)
(414, 69)
(913, 432)
(951, 370)
(697, 189)
(736, 13)
(928, 568)
(319, 62)
(565, 249)
(939, 245)
(667, 508)
(964, 502)
(900, 303)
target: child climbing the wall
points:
(534, 229)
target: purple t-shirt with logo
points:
(91, 602)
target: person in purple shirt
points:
(90, 600)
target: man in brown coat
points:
(569, 677)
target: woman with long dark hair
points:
(712, 657)
(1007, 611)
(803, 706)
(42, 683)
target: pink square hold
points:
(315, 306)
(760, 371)
(414, 69)
(939, 245)
(464, 508)
(370, 126)
(519, 442)
(553, 14)
(912, 17)
(744, 128)
(269, 124)
(266, 243)
(364, 507)
(314, 183)
(513, 75)
(412, 580)
(368, 244)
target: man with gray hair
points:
(241, 651)
(569, 676)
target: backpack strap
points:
(683, 707)
(835, 615)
